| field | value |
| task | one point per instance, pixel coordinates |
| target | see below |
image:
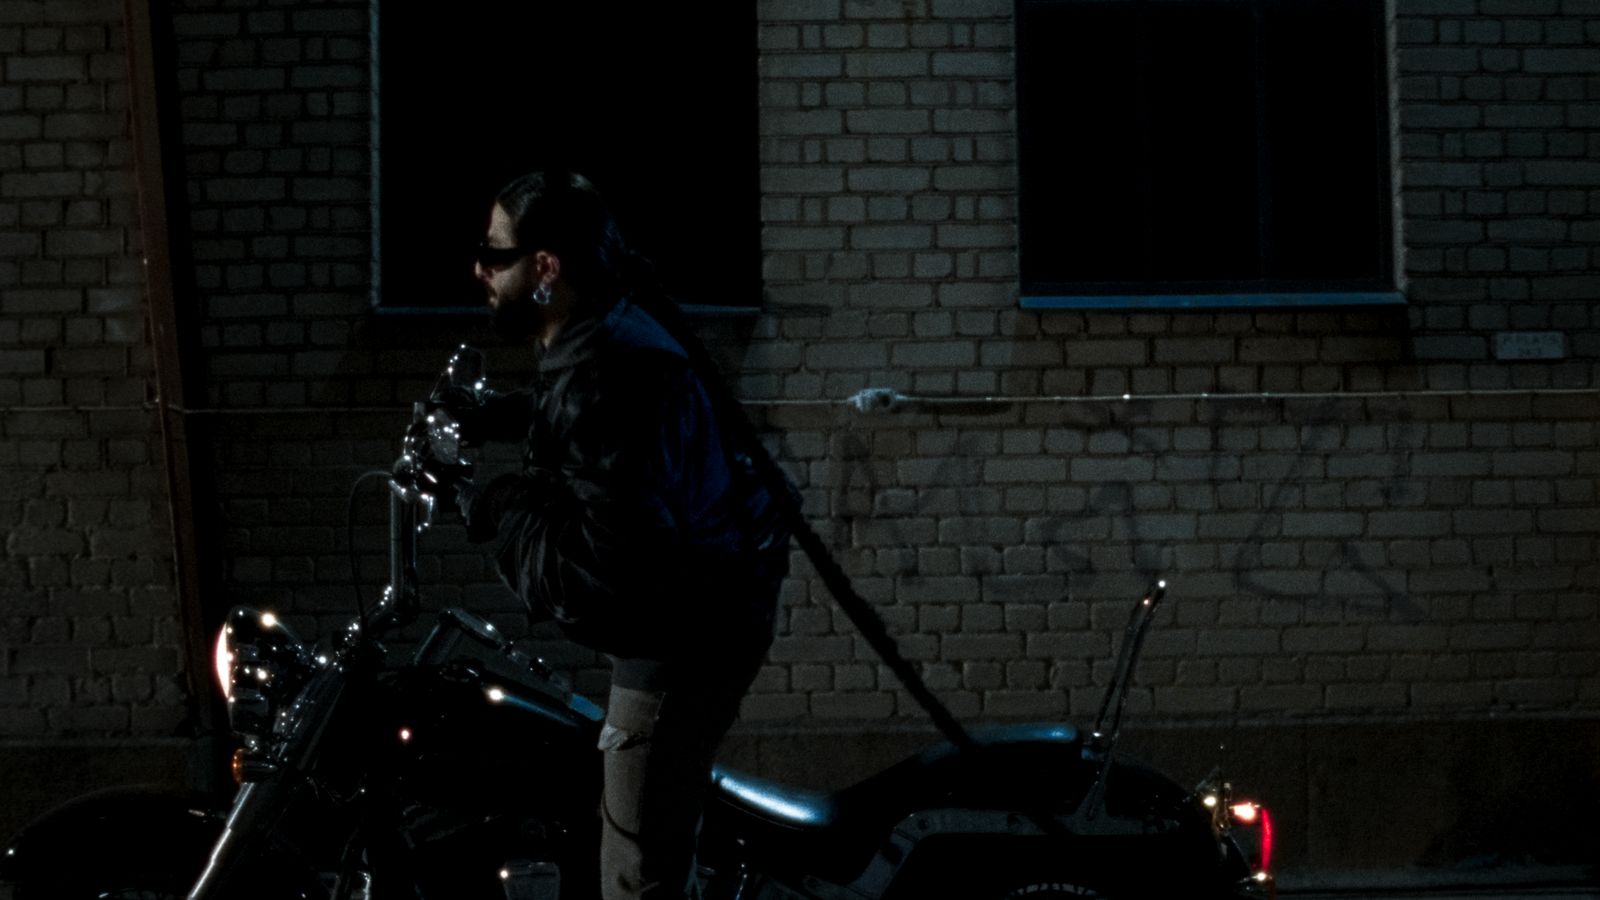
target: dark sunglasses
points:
(492, 257)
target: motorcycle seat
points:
(1013, 765)
(782, 804)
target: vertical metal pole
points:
(173, 311)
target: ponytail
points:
(646, 291)
(643, 288)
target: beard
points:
(517, 318)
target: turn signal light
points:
(249, 767)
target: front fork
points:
(254, 809)
(260, 804)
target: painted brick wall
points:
(1369, 516)
(1397, 543)
(1360, 551)
(310, 389)
(88, 630)
(1404, 554)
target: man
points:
(636, 521)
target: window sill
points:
(477, 314)
(1211, 301)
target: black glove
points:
(438, 477)
(486, 415)
(482, 506)
(465, 407)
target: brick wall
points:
(1396, 543)
(310, 387)
(1410, 536)
(88, 629)
(1332, 557)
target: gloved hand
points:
(467, 408)
(435, 475)
(486, 415)
(482, 506)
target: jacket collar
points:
(579, 338)
(623, 323)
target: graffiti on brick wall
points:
(1284, 517)
(1320, 438)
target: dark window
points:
(1179, 152)
(656, 103)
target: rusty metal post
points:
(173, 313)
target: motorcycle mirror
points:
(463, 375)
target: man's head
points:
(551, 244)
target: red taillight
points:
(1254, 815)
(1266, 840)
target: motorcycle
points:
(470, 771)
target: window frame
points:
(1383, 289)
(744, 175)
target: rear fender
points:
(1036, 771)
(1143, 836)
(1022, 799)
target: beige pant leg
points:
(659, 747)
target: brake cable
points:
(350, 542)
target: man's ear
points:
(546, 267)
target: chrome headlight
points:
(260, 665)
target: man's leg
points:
(659, 746)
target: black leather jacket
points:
(640, 528)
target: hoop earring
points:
(541, 295)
